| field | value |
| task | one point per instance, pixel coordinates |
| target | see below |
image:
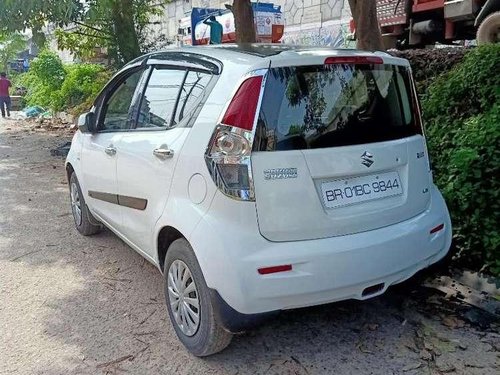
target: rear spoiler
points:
(319, 57)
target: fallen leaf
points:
(362, 349)
(428, 346)
(372, 326)
(412, 366)
(444, 366)
(425, 355)
(453, 322)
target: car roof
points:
(251, 54)
(271, 49)
(294, 53)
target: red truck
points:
(414, 23)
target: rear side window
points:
(160, 98)
(191, 94)
(334, 105)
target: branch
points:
(91, 36)
(92, 28)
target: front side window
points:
(159, 101)
(117, 111)
(334, 105)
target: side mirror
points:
(86, 122)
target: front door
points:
(149, 153)
(100, 150)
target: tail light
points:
(228, 153)
(241, 111)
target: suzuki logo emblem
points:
(367, 159)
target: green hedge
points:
(62, 87)
(462, 116)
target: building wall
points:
(317, 22)
(65, 55)
(313, 22)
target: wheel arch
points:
(166, 236)
(69, 170)
(489, 7)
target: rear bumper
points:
(324, 270)
(233, 321)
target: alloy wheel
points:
(183, 297)
(76, 206)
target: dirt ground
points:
(76, 305)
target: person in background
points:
(215, 30)
(4, 94)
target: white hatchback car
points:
(260, 178)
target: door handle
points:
(110, 150)
(163, 153)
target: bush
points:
(81, 85)
(462, 114)
(59, 87)
(48, 68)
(43, 80)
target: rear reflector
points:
(243, 106)
(275, 269)
(437, 229)
(354, 60)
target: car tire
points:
(183, 274)
(489, 29)
(85, 223)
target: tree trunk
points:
(368, 36)
(243, 21)
(126, 37)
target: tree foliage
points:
(10, 45)
(118, 25)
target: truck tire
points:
(489, 29)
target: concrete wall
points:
(317, 22)
(313, 22)
(65, 55)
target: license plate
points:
(360, 189)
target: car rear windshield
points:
(334, 105)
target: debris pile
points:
(427, 64)
(33, 120)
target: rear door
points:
(149, 152)
(338, 150)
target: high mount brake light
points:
(228, 153)
(363, 60)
